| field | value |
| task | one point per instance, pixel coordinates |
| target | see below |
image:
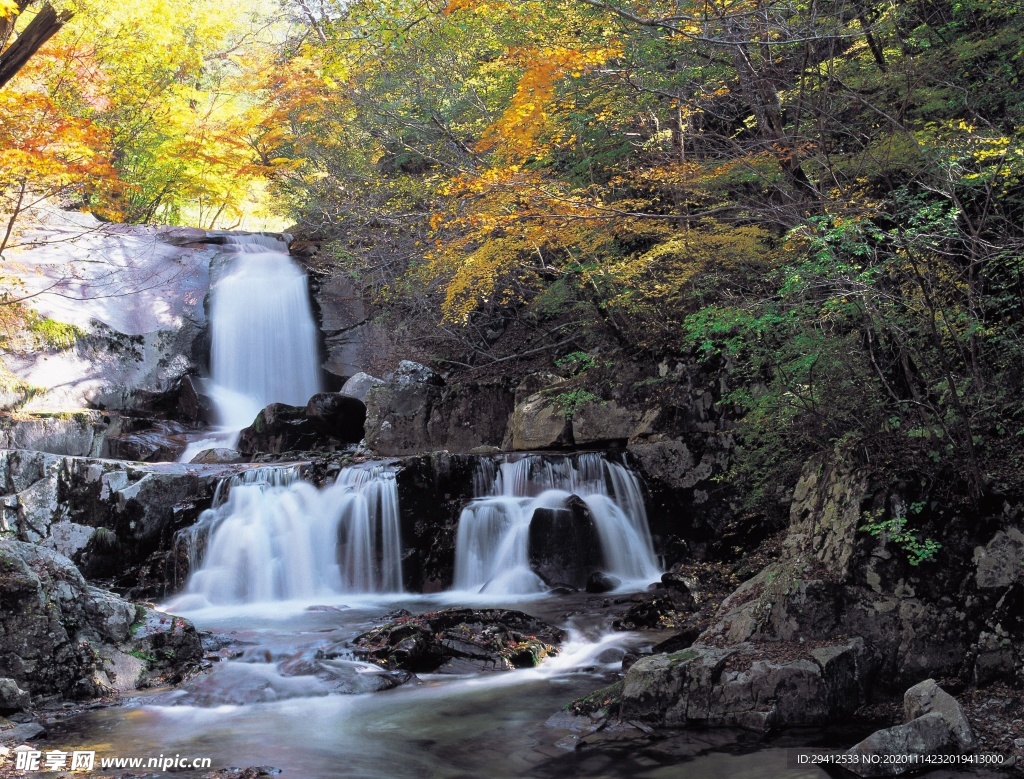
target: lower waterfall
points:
(493, 544)
(271, 536)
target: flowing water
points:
(271, 536)
(492, 552)
(493, 725)
(263, 337)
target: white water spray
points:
(492, 552)
(263, 337)
(272, 537)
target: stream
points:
(496, 724)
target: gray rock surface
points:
(359, 384)
(756, 687)
(934, 724)
(1000, 563)
(535, 422)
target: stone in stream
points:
(328, 419)
(564, 544)
(600, 582)
(460, 641)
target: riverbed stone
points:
(460, 641)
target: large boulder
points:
(934, 726)
(335, 415)
(59, 635)
(565, 547)
(759, 687)
(536, 422)
(414, 413)
(120, 312)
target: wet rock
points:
(564, 544)
(600, 582)
(170, 645)
(19, 734)
(336, 415)
(460, 641)
(278, 428)
(756, 687)
(682, 640)
(163, 442)
(651, 612)
(359, 385)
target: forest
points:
(821, 201)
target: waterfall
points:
(493, 543)
(271, 536)
(263, 337)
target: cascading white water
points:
(271, 536)
(263, 337)
(492, 545)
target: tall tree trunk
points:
(43, 27)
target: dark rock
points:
(651, 612)
(926, 735)
(927, 697)
(756, 687)
(194, 401)
(163, 442)
(678, 642)
(600, 582)
(460, 641)
(19, 734)
(279, 428)
(336, 415)
(413, 417)
(59, 635)
(564, 544)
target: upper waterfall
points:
(263, 336)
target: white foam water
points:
(492, 545)
(272, 537)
